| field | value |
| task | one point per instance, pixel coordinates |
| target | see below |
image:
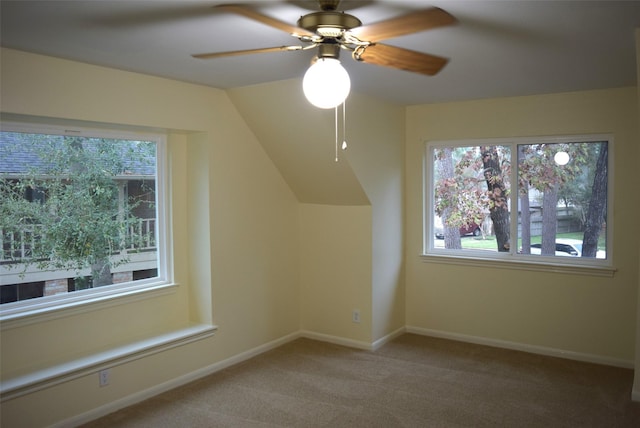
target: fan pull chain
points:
(344, 128)
(344, 125)
(336, 123)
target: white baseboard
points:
(388, 338)
(213, 368)
(173, 383)
(336, 340)
(541, 350)
(205, 371)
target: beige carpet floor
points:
(413, 381)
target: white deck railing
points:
(19, 246)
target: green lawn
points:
(489, 243)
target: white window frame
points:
(49, 307)
(511, 259)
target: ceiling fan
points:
(331, 31)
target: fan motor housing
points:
(328, 50)
(328, 23)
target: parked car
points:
(468, 229)
(567, 247)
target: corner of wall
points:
(635, 395)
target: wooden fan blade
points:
(246, 52)
(250, 13)
(406, 24)
(404, 59)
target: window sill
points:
(51, 376)
(602, 271)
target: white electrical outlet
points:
(355, 316)
(103, 377)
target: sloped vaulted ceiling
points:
(300, 140)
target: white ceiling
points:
(499, 48)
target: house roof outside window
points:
(22, 153)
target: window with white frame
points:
(542, 200)
(82, 215)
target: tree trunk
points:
(101, 268)
(597, 205)
(451, 233)
(497, 192)
(525, 222)
(549, 220)
(525, 214)
(101, 273)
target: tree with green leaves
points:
(459, 198)
(525, 206)
(537, 169)
(596, 213)
(473, 181)
(447, 198)
(81, 218)
(469, 184)
(498, 193)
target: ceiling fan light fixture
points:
(326, 83)
(333, 32)
(328, 21)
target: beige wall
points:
(636, 380)
(300, 139)
(235, 226)
(376, 154)
(574, 313)
(335, 271)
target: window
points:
(542, 200)
(82, 215)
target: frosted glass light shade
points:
(326, 83)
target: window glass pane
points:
(562, 199)
(471, 197)
(76, 213)
(556, 212)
